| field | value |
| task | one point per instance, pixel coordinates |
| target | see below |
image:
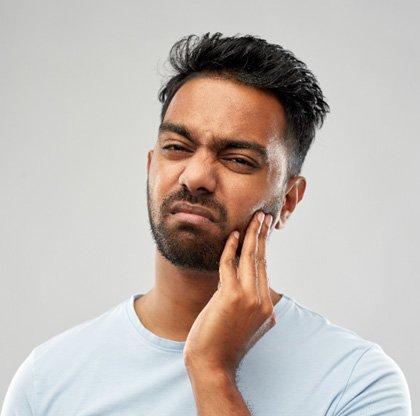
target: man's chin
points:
(191, 259)
(192, 249)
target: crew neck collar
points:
(177, 346)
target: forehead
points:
(212, 108)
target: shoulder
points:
(20, 397)
(66, 352)
(83, 336)
(313, 331)
(81, 346)
(370, 380)
(375, 384)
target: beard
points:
(189, 245)
(192, 246)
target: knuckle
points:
(227, 262)
(248, 254)
(262, 261)
(267, 311)
(235, 297)
(253, 302)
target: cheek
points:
(159, 179)
(241, 207)
(151, 186)
(244, 203)
(155, 187)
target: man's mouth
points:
(196, 214)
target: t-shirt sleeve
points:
(19, 400)
(376, 386)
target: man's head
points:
(257, 63)
(237, 120)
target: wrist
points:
(211, 374)
(215, 388)
(215, 370)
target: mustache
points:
(204, 200)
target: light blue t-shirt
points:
(113, 365)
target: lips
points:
(183, 207)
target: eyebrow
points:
(243, 144)
(221, 144)
(176, 128)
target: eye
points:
(175, 151)
(240, 164)
(242, 161)
(175, 148)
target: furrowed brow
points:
(220, 144)
(177, 129)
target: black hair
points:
(257, 63)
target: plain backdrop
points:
(79, 110)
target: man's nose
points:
(199, 175)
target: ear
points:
(149, 159)
(294, 192)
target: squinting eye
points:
(242, 161)
(174, 147)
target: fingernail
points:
(260, 217)
(236, 234)
(268, 220)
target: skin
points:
(220, 314)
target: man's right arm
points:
(20, 397)
(236, 317)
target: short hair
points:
(255, 62)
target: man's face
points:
(219, 158)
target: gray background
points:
(78, 111)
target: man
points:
(238, 118)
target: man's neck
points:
(171, 307)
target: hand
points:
(240, 312)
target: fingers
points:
(252, 266)
(263, 287)
(248, 272)
(227, 267)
